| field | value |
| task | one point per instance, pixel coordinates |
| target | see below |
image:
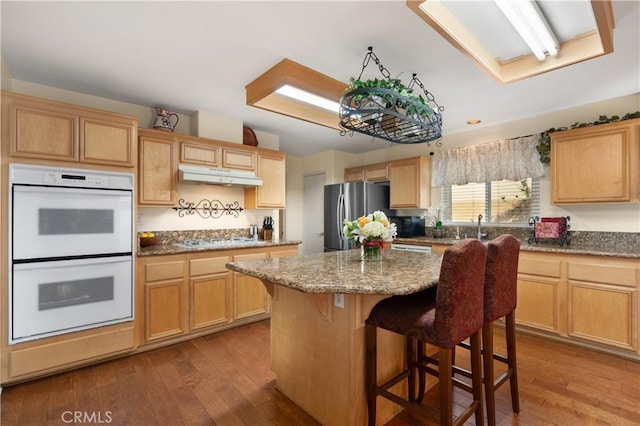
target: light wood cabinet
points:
(238, 158)
(271, 195)
(164, 297)
(209, 290)
(48, 130)
(182, 296)
(587, 300)
(250, 296)
(157, 172)
(596, 164)
(378, 172)
(410, 183)
(194, 151)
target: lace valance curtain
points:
(510, 159)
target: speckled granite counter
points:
(600, 248)
(343, 272)
(162, 249)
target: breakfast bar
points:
(319, 305)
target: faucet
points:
(480, 233)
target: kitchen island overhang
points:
(319, 305)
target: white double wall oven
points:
(70, 250)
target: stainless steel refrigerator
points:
(350, 201)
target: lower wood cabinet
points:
(250, 296)
(193, 294)
(588, 300)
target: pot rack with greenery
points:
(387, 109)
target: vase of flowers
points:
(370, 232)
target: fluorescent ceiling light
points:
(310, 98)
(304, 90)
(595, 42)
(526, 18)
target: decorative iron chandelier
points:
(387, 109)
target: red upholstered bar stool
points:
(500, 298)
(442, 316)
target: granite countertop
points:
(594, 249)
(344, 272)
(172, 248)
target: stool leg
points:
(411, 362)
(422, 376)
(489, 384)
(511, 355)
(371, 369)
(476, 374)
(446, 387)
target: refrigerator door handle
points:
(340, 216)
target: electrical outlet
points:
(338, 300)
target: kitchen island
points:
(319, 305)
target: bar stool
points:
(500, 297)
(442, 316)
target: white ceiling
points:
(199, 56)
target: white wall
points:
(615, 217)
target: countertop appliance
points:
(349, 201)
(409, 226)
(70, 250)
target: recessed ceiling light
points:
(474, 121)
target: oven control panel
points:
(90, 181)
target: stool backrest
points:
(501, 277)
(459, 296)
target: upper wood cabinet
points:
(410, 183)
(271, 195)
(239, 158)
(194, 151)
(369, 173)
(596, 164)
(157, 172)
(48, 130)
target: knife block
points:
(267, 234)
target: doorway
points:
(313, 232)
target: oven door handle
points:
(26, 266)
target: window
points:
(499, 202)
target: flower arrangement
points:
(370, 231)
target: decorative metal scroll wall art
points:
(387, 109)
(208, 209)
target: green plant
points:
(544, 147)
(391, 100)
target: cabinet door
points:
(354, 174)
(209, 291)
(107, 142)
(164, 307)
(410, 183)
(594, 164)
(376, 172)
(603, 303)
(271, 195)
(157, 172)
(539, 284)
(250, 295)
(43, 131)
(238, 159)
(199, 154)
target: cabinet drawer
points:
(547, 268)
(208, 265)
(164, 270)
(607, 274)
(251, 256)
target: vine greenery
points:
(544, 147)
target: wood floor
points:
(224, 379)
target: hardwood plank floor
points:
(225, 379)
